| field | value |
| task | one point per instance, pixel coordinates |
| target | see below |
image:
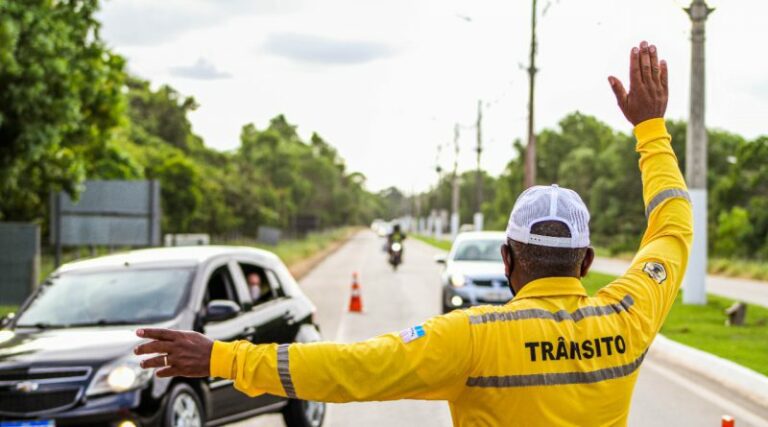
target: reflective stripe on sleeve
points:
(559, 378)
(664, 195)
(558, 316)
(283, 369)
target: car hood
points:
(476, 268)
(63, 346)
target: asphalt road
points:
(393, 301)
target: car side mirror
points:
(441, 259)
(219, 309)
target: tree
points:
(181, 188)
(60, 92)
(733, 228)
(163, 113)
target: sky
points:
(386, 81)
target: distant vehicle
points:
(67, 357)
(381, 228)
(376, 224)
(474, 271)
(465, 228)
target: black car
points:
(67, 357)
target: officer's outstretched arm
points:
(652, 282)
(429, 361)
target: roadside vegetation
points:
(293, 251)
(744, 268)
(438, 243)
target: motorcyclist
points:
(396, 236)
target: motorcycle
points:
(395, 254)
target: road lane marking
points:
(741, 414)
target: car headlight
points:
(119, 376)
(458, 280)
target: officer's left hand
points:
(649, 88)
(182, 353)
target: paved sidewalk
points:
(750, 291)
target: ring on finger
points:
(165, 361)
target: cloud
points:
(322, 50)
(152, 22)
(200, 70)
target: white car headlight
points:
(458, 280)
(119, 376)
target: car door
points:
(221, 285)
(286, 329)
(271, 313)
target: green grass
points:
(438, 243)
(745, 268)
(703, 327)
(294, 250)
(5, 309)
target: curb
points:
(744, 381)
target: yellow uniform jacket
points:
(551, 356)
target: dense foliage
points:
(60, 96)
(70, 112)
(601, 165)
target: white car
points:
(72, 342)
(474, 271)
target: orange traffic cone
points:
(355, 300)
(728, 421)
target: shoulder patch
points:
(410, 334)
(656, 271)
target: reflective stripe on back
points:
(558, 316)
(559, 378)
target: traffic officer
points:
(551, 356)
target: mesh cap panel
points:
(549, 203)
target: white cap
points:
(549, 203)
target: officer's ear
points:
(587, 262)
(509, 259)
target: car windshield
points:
(479, 250)
(125, 296)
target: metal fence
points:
(19, 261)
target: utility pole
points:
(478, 218)
(530, 150)
(455, 195)
(434, 224)
(695, 290)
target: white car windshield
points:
(479, 250)
(125, 296)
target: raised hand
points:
(648, 89)
(182, 353)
